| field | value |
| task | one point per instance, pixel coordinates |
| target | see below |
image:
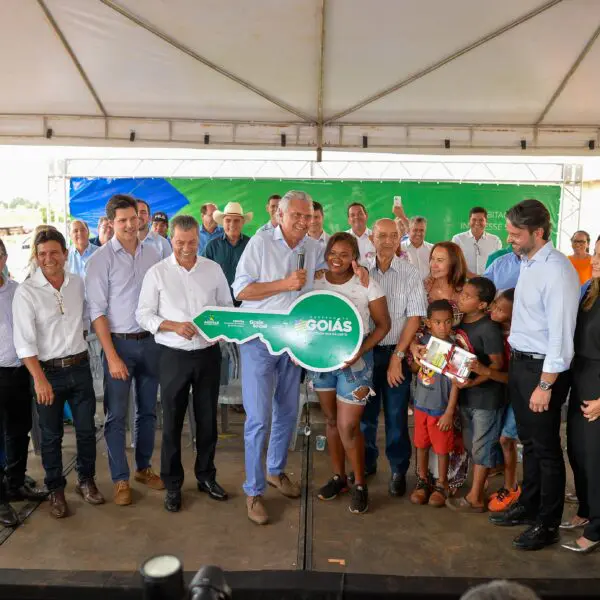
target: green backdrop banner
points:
(445, 205)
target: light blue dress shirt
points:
(268, 226)
(159, 243)
(77, 262)
(206, 237)
(267, 258)
(113, 283)
(8, 354)
(545, 308)
(504, 271)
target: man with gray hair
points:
(174, 292)
(81, 249)
(105, 232)
(270, 276)
(416, 248)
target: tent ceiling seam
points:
(563, 84)
(72, 55)
(444, 61)
(201, 59)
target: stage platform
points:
(417, 549)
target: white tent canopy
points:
(464, 76)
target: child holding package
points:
(481, 399)
(435, 401)
(508, 494)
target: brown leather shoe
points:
(122, 493)
(421, 492)
(438, 497)
(284, 485)
(58, 504)
(257, 512)
(148, 477)
(89, 492)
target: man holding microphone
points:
(276, 267)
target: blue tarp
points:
(88, 197)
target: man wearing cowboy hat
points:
(227, 249)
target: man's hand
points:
(540, 400)
(591, 409)
(446, 422)
(395, 375)
(186, 330)
(118, 369)
(296, 281)
(43, 390)
(361, 273)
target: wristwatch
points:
(545, 386)
(401, 355)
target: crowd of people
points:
(138, 285)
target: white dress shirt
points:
(49, 323)
(477, 251)
(8, 354)
(267, 258)
(365, 245)
(545, 308)
(172, 293)
(419, 257)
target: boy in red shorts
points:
(435, 399)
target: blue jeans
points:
(141, 359)
(263, 373)
(74, 384)
(398, 448)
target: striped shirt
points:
(405, 294)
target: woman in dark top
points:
(583, 422)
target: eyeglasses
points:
(60, 301)
(579, 241)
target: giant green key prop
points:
(320, 331)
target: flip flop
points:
(464, 506)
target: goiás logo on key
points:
(211, 321)
(331, 325)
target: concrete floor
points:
(393, 538)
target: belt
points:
(131, 336)
(66, 361)
(516, 355)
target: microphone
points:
(300, 259)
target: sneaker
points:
(283, 483)
(421, 492)
(333, 488)
(257, 512)
(360, 500)
(369, 472)
(503, 499)
(122, 493)
(148, 477)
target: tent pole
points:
(321, 84)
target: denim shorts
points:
(346, 381)
(509, 426)
(481, 431)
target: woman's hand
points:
(591, 409)
(320, 274)
(351, 361)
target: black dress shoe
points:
(538, 536)
(513, 516)
(27, 492)
(173, 500)
(213, 489)
(397, 486)
(8, 516)
(30, 481)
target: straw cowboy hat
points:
(233, 209)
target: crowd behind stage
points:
(529, 314)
